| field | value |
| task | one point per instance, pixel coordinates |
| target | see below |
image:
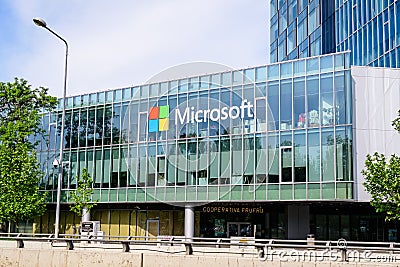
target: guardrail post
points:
(344, 254)
(70, 244)
(189, 249)
(20, 243)
(270, 245)
(125, 246)
(260, 251)
(218, 241)
(328, 245)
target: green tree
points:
(20, 173)
(82, 196)
(382, 181)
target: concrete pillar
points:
(189, 221)
(298, 221)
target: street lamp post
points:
(41, 23)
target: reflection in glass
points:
(273, 159)
(300, 157)
(313, 101)
(286, 164)
(327, 99)
(273, 105)
(286, 104)
(261, 158)
(314, 153)
(299, 103)
(225, 171)
(328, 157)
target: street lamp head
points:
(39, 22)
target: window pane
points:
(313, 101)
(300, 157)
(299, 103)
(273, 159)
(313, 157)
(328, 158)
(286, 101)
(273, 105)
(327, 99)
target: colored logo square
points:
(153, 126)
(163, 124)
(164, 112)
(154, 111)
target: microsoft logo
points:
(159, 119)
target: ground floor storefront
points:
(327, 221)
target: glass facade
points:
(301, 28)
(369, 28)
(275, 132)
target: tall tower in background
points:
(369, 28)
(301, 28)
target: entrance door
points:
(153, 229)
(239, 229)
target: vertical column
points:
(189, 221)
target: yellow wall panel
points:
(133, 224)
(104, 217)
(114, 223)
(37, 225)
(141, 225)
(179, 219)
(52, 220)
(69, 222)
(124, 223)
(45, 223)
(164, 223)
(62, 222)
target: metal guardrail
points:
(258, 247)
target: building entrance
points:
(239, 229)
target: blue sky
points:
(122, 43)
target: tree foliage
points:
(382, 181)
(82, 196)
(20, 173)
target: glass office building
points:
(265, 151)
(277, 115)
(368, 28)
(371, 29)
